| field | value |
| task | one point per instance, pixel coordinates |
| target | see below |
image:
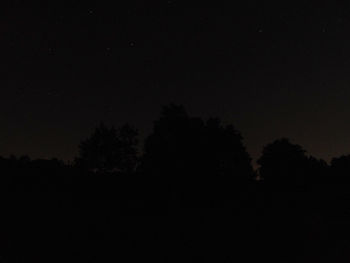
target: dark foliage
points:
(340, 167)
(181, 145)
(109, 150)
(283, 161)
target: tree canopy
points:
(109, 149)
(188, 146)
(283, 161)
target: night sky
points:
(271, 69)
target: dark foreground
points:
(90, 218)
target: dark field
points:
(96, 218)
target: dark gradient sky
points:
(270, 69)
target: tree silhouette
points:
(283, 161)
(224, 151)
(182, 145)
(317, 169)
(128, 153)
(109, 149)
(340, 166)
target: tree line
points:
(181, 146)
(188, 194)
